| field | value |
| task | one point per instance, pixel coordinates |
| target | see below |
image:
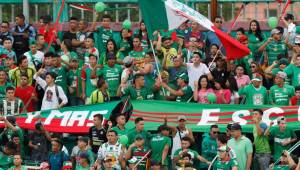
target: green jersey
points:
(225, 165)
(188, 93)
(101, 37)
(274, 48)
(11, 107)
(138, 154)
(133, 133)
(282, 167)
(139, 60)
(279, 137)
(119, 131)
(157, 145)
(194, 154)
(261, 142)
(79, 167)
(126, 45)
(112, 76)
(74, 82)
(90, 80)
(254, 42)
(144, 93)
(246, 61)
(14, 168)
(281, 96)
(294, 72)
(61, 78)
(159, 95)
(6, 161)
(254, 96)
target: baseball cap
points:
(182, 117)
(236, 126)
(84, 139)
(275, 31)
(281, 74)
(297, 39)
(223, 148)
(166, 37)
(84, 155)
(243, 38)
(183, 76)
(44, 165)
(256, 77)
(67, 165)
(139, 137)
(229, 126)
(128, 60)
(283, 61)
(281, 119)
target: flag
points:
(170, 14)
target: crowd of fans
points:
(93, 64)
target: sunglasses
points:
(297, 44)
(216, 132)
(221, 150)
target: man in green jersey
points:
(281, 93)
(112, 74)
(61, 72)
(283, 137)
(286, 163)
(209, 145)
(274, 46)
(136, 152)
(17, 163)
(255, 93)
(6, 156)
(11, 105)
(138, 53)
(293, 70)
(138, 130)
(184, 93)
(137, 91)
(4, 83)
(224, 161)
(120, 127)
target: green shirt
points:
(188, 93)
(101, 38)
(261, 142)
(157, 145)
(194, 154)
(246, 61)
(61, 78)
(287, 79)
(13, 168)
(279, 137)
(294, 72)
(90, 81)
(112, 76)
(124, 44)
(11, 107)
(274, 48)
(119, 131)
(3, 89)
(79, 167)
(133, 133)
(227, 165)
(254, 42)
(159, 95)
(139, 60)
(209, 148)
(282, 167)
(281, 96)
(6, 161)
(144, 93)
(138, 153)
(253, 95)
(74, 82)
(242, 147)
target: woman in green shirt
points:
(255, 39)
(111, 47)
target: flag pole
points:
(283, 12)
(145, 156)
(290, 150)
(156, 63)
(229, 30)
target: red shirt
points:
(25, 94)
(48, 33)
(295, 101)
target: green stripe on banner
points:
(201, 116)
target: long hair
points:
(115, 46)
(258, 33)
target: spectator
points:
(255, 39)
(48, 30)
(45, 166)
(84, 162)
(137, 91)
(120, 127)
(241, 79)
(18, 163)
(202, 89)
(41, 45)
(286, 162)
(34, 57)
(290, 28)
(184, 92)
(127, 73)
(3, 83)
(185, 144)
(74, 82)
(279, 66)
(179, 132)
(54, 96)
(125, 44)
(221, 72)
(212, 37)
(186, 162)
(89, 78)
(81, 36)
(9, 64)
(296, 99)
(209, 145)
(283, 92)
(22, 34)
(283, 137)
(137, 53)
(228, 131)
(4, 32)
(57, 156)
(83, 148)
(231, 84)
(38, 143)
(11, 105)
(97, 133)
(248, 61)
(293, 70)
(136, 152)
(111, 48)
(90, 49)
(101, 95)
(165, 49)
(162, 93)
(72, 29)
(177, 69)
(255, 93)
(22, 68)
(112, 149)
(19, 146)
(8, 46)
(66, 52)
(222, 93)
(214, 52)
(261, 142)
(111, 73)
(193, 45)
(242, 146)
(273, 46)
(148, 70)
(223, 139)
(7, 155)
(240, 32)
(142, 33)
(138, 130)
(160, 146)
(103, 32)
(224, 161)
(61, 72)
(197, 69)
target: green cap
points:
(283, 61)
(138, 137)
(183, 76)
(32, 42)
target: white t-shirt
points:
(177, 141)
(194, 73)
(37, 58)
(50, 100)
